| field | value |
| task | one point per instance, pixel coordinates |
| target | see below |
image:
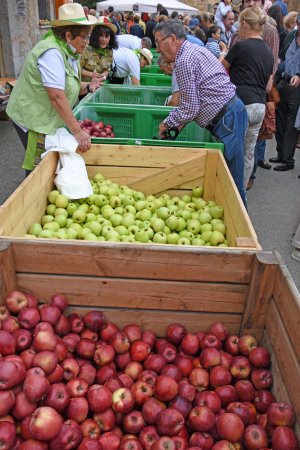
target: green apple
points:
(98, 177)
(46, 234)
(214, 221)
(206, 227)
(173, 209)
(195, 215)
(206, 236)
(91, 199)
(112, 236)
(199, 203)
(76, 226)
(90, 217)
(71, 233)
(95, 227)
(103, 190)
(160, 238)
(181, 224)
(132, 229)
(194, 226)
(211, 203)
(71, 208)
(219, 227)
(151, 206)
(197, 191)
(166, 230)
(141, 236)
(52, 196)
(158, 203)
(100, 200)
(61, 211)
(61, 220)
(47, 218)
(122, 230)
(150, 232)
(94, 209)
(140, 204)
(186, 215)
(163, 212)
(197, 241)
(187, 234)
(216, 238)
(216, 212)
(112, 192)
(183, 241)
(119, 210)
(106, 229)
(128, 200)
(186, 198)
(157, 224)
(107, 211)
(139, 223)
(164, 198)
(61, 201)
(101, 238)
(116, 219)
(79, 216)
(83, 207)
(60, 234)
(90, 237)
(51, 209)
(115, 201)
(172, 222)
(130, 209)
(82, 232)
(204, 217)
(172, 238)
(190, 207)
(144, 214)
(35, 229)
(138, 196)
(127, 220)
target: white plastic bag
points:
(72, 179)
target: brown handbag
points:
(268, 127)
(273, 95)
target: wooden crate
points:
(153, 170)
(251, 292)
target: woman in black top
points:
(250, 65)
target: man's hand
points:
(161, 129)
(295, 81)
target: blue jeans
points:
(231, 130)
(259, 155)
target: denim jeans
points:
(231, 130)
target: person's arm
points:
(61, 105)
(269, 83)
(295, 81)
(86, 73)
(174, 99)
(135, 81)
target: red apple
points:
(16, 301)
(22, 407)
(71, 368)
(139, 350)
(4, 313)
(133, 369)
(165, 388)
(219, 330)
(133, 332)
(33, 444)
(76, 323)
(113, 384)
(185, 364)
(28, 318)
(246, 343)
(210, 399)
(241, 410)
(171, 370)
(149, 337)
(99, 398)
(134, 422)
(151, 408)
(284, 438)
(226, 359)
(186, 390)
(62, 327)
(142, 391)
(262, 400)
(104, 354)
(231, 345)
(60, 301)
(8, 435)
(42, 326)
(46, 360)
(27, 357)
(69, 436)
(261, 378)
(122, 359)
(223, 445)
(155, 362)
(255, 437)
(50, 314)
(240, 367)
(88, 373)
(106, 421)
(219, 375)
(109, 441)
(126, 380)
(245, 390)
(94, 320)
(9, 375)
(7, 343)
(199, 378)
(149, 376)
(123, 400)
(44, 341)
(260, 357)
(23, 339)
(183, 405)
(57, 375)
(90, 428)
(36, 387)
(281, 414)
(77, 409)
(89, 334)
(227, 394)
(58, 397)
(202, 440)
(88, 443)
(35, 371)
(169, 422)
(201, 418)
(7, 401)
(190, 344)
(148, 436)
(120, 342)
(108, 330)
(104, 373)
(71, 340)
(10, 324)
(175, 333)
(77, 387)
(210, 357)
(164, 443)
(230, 427)
(168, 351)
(210, 341)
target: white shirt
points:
(52, 68)
(127, 64)
(129, 41)
(220, 13)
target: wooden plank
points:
(245, 242)
(265, 268)
(139, 156)
(139, 293)
(144, 261)
(158, 321)
(287, 300)
(210, 177)
(169, 177)
(220, 198)
(287, 360)
(7, 270)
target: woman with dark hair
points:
(98, 55)
(276, 14)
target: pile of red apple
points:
(97, 129)
(80, 382)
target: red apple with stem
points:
(58, 397)
(69, 436)
(164, 443)
(201, 418)
(202, 440)
(134, 422)
(255, 437)
(199, 378)
(123, 400)
(16, 301)
(90, 428)
(133, 331)
(231, 345)
(95, 321)
(99, 398)
(106, 421)
(45, 423)
(281, 414)
(246, 343)
(148, 436)
(165, 388)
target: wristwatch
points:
(88, 88)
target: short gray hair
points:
(168, 27)
(146, 42)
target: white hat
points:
(146, 54)
(106, 22)
(72, 14)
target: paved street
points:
(273, 202)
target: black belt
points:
(221, 113)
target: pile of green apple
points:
(117, 213)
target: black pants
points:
(23, 136)
(286, 112)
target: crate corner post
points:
(8, 280)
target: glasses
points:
(157, 43)
(86, 37)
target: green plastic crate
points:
(152, 69)
(138, 125)
(131, 95)
(153, 79)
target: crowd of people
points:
(223, 64)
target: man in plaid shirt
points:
(206, 96)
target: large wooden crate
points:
(153, 170)
(251, 292)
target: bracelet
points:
(88, 88)
(223, 53)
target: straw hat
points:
(105, 22)
(72, 14)
(147, 54)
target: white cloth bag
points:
(72, 179)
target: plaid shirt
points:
(204, 86)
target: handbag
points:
(273, 95)
(268, 126)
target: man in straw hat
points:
(50, 82)
(128, 63)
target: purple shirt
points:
(204, 85)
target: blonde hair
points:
(289, 19)
(254, 17)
